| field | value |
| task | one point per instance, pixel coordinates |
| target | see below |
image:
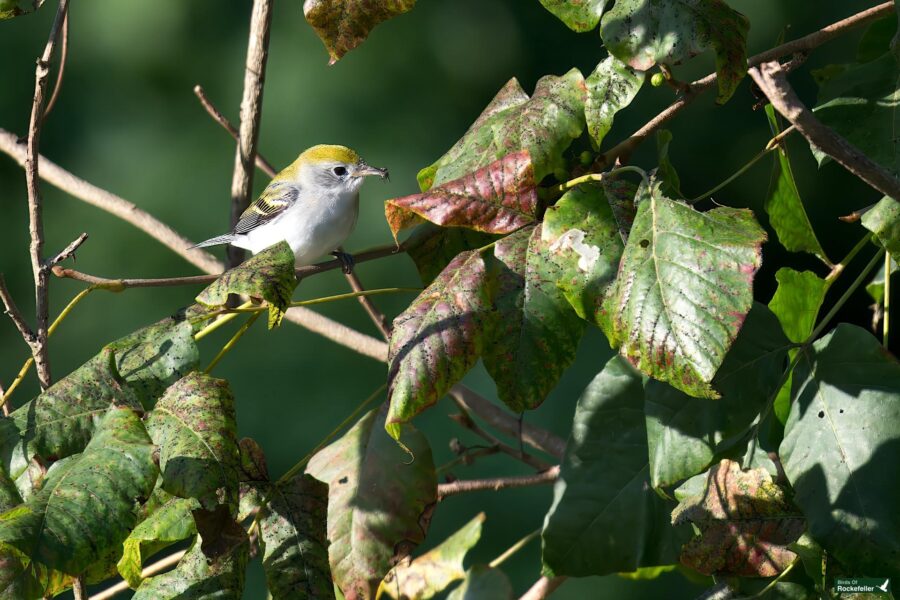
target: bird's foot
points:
(347, 261)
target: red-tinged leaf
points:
(746, 523)
(499, 198)
(342, 25)
(437, 339)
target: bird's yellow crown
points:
(329, 153)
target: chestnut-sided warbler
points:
(312, 205)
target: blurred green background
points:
(127, 121)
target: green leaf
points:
(431, 573)
(197, 579)
(378, 501)
(605, 518)
(646, 573)
(86, 506)
(684, 434)
(432, 248)
(342, 25)
(544, 125)
(172, 522)
(483, 583)
(194, 426)
(643, 34)
(499, 198)
(582, 241)
(861, 104)
(684, 288)
(666, 173)
(876, 286)
(884, 221)
(268, 275)
(15, 8)
(578, 15)
(841, 447)
(877, 39)
(437, 339)
(9, 495)
(745, 524)
(610, 88)
(784, 205)
(293, 537)
(533, 332)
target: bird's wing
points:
(275, 199)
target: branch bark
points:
(542, 588)
(251, 113)
(771, 79)
(497, 484)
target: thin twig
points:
(5, 406)
(63, 55)
(79, 590)
(496, 484)
(15, 315)
(68, 251)
(542, 588)
(513, 549)
(251, 113)
(376, 315)
(466, 421)
(149, 570)
(771, 79)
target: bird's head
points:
(335, 168)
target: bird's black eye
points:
(339, 171)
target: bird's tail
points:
(220, 239)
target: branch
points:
(500, 483)
(542, 588)
(772, 81)
(68, 251)
(804, 44)
(251, 113)
(63, 55)
(35, 201)
(153, 569)
(12, 311)
(464, 420)
(376, 315)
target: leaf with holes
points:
(431, 573)
(194, 426)
(669, 32)
(841, 447)
(293, 540)
(684, 287)
(432, 248)
(884, 221)
(437, 339)
(578, 15)
(379, 502)
(342, 25)
(745, 523)
(610, 88)
(533, 332)
(86, 507)
(499, 198)
(483, 582)
(268, 275)
(543, 125)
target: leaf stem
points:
(837, 269)
(514, 548)
(886, 319)
(844, 297)
(231, 343)
(225, 318)
(772, 583)
(601, 176)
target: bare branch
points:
(160, 565)
(466, 421)
(12, 311)
(771, 79)
(68, 251)
(376, 315)
(63, 55)
(79, 591)
(542, 588)
(500, 483)
(251, 112)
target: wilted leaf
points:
(437, 339)
(578, 15)
(483, 582)
(194, 426)
(746, 523)
(684, 287)
(610, 88)
(605, 518)
(342, 25)
(87, 506)
(784, 205)
(643, 34)
(884, 221)
(841, 448)
(432, 247)
(293, 538)
(534, 333)
(15, 8)
(197, 579)
(431, 573)
(498, 198)
(685, 433)
(379, 502)
(665, 172)
(268, 275)
(544, 125)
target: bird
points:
(312, 204)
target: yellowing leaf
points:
(342, 25)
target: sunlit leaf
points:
(610, 88)
(430, 573)
(437, 339)
(544, 125)
(15, 8)
(498, 198)
(842, 445)
(87, 506)
(379, 502)
(684, 288)
(884, 221)
(483, 582)
(605, 518)
(268, 275)
(432, 247)
(643, 34)
(745, 522)
(578, 15)
(342, 25)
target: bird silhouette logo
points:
(884, 586)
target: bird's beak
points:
(365, 170)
